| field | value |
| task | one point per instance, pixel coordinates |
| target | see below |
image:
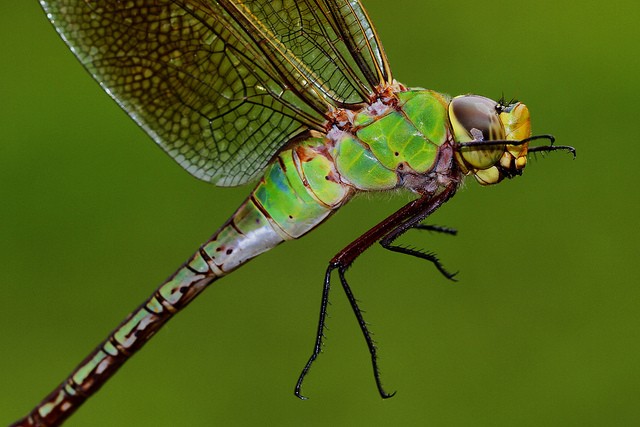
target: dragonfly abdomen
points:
(300, 189)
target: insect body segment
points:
(377, 152)
(299, 189)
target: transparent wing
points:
(222, 85)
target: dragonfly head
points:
(476, 121)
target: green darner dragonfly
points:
(297, 95)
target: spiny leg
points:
(429, 256)
(436, 228)
(548, 148)
(317, 348)
(542, 149)
(321, 326)
(365, 331)
(395, 225)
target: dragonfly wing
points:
(328, 49)
(222, 85)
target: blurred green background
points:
(541, 329)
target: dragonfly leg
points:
(429, 256)
(317, 348)
(388, 230)
(321, 326)
(365, 331)
(436, 228)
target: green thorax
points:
(384, 142)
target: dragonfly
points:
(298, 96)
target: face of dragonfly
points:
(476, 118)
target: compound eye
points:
(475, 118)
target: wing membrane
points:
(222, 85)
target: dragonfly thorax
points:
(402, 140)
